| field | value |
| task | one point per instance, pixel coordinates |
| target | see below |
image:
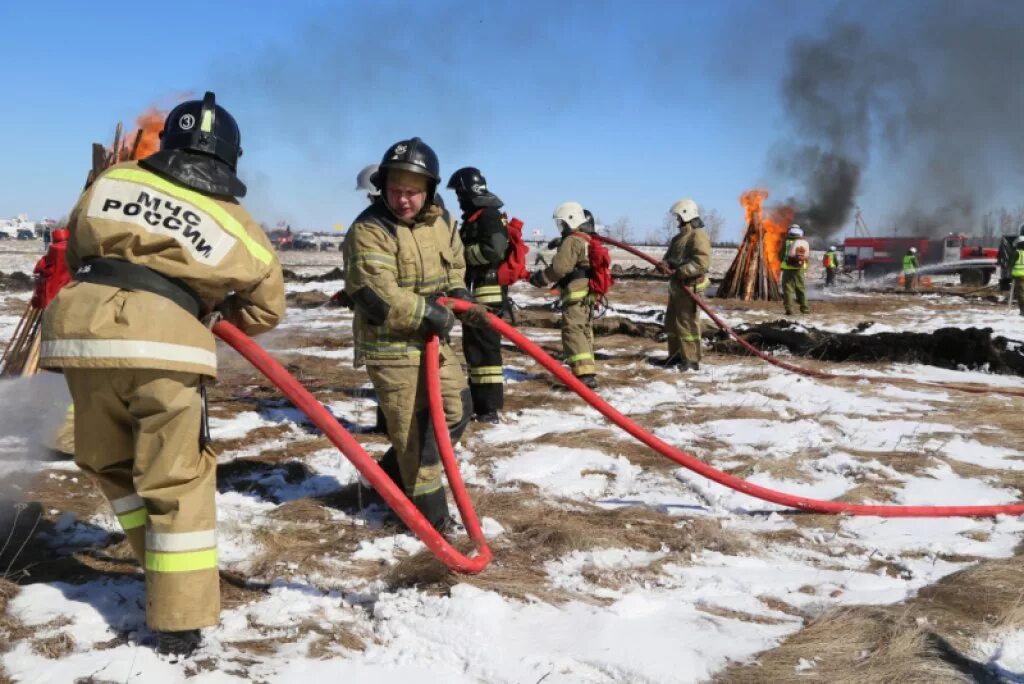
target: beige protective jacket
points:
(390, 270)
(693, 250)
(210, 243)
(571, 256)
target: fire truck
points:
(955, 254)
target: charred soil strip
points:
(952, 348)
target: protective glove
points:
(342, 298)
(475, 316)
(438, 319)
(537, 279)
(554, 244)
(461, 293)
(663, 268)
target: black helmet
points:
(203, 126)
(468, 181)
(412, 155)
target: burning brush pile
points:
(754, 273)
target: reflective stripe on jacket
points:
(209, 243)
(390, 270)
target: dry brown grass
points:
(927, 639)
(856, 646)
(54, 647)
(328, 640)
(303, 538)
(62, 490)
(11, 629)
(731, 614)
(537, 532)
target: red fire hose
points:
(696, 465)
(395, 497)
(800, 370)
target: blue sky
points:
(624, 107)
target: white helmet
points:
(686, 210)
(913, 250)
(364, 181)
(831, 248)
(572, 214)
(795, 231)
(1019, 242)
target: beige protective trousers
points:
(137, 433)
(682, 324)
(402, 394)
(578, 335)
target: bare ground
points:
(927, 638)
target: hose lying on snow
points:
(364, 463)
(800, 370)
(696, 465)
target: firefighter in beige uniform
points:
(400, 254)
(154, 244)
(688, 258)
(570, 269)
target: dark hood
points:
(470, 203)
(200, 172)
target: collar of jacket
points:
(201, 172)
(484, 201)
(379, 214)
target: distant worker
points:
(401, 255)
(910, 266)
(570, 272)
(831, 263)
(485, 239)
(155, 245)
(794, 260)
(688, 259)
(1018, 271)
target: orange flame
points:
(149, 124)
(775, 224)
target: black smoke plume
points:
(925, 98)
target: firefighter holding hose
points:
(401, 254)
(155, 245)
(688, 259)
(570, 271)
(910, 266)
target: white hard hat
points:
(571, 213)
(364, 181)
(913, 250)
(831, 248)
(1019, 241)
(686, 210)
(795, 231)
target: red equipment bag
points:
(601, 280)
(513, 269)
(51, 271)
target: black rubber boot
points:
(490, 417)
(181, 644)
